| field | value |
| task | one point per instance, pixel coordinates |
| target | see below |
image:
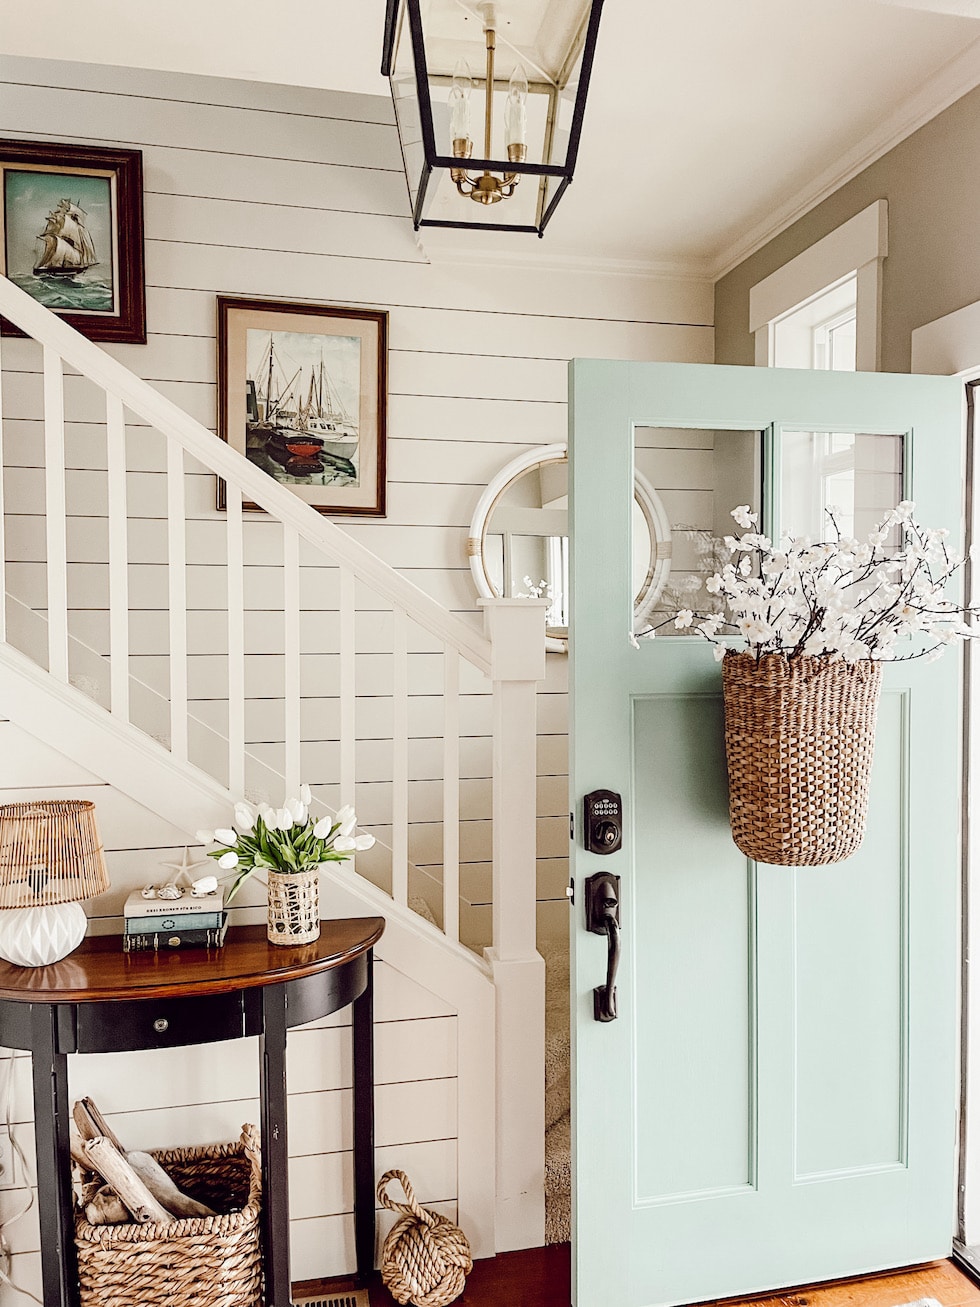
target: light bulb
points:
(459, 102)
(515, 110)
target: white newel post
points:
(515, 628)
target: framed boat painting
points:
(71, 234)
(302, 393)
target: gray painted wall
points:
(932, 184)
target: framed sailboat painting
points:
(71, 234)
(302, 393)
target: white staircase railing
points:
(276, 645)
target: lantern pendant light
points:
(535, 57)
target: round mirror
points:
(518, 544)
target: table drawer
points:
(119, 1027)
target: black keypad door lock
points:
(603, 821)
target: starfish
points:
(187, 866)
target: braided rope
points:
(425, 1259)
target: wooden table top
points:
(99, 970)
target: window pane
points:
(857, 473)
(700, 476)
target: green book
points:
(158, 925)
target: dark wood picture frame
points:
(32, 174)
(324, 433)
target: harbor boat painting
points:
(301, 413)
(302, 396)
(72, 234)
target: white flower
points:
(244, 818)
(297, 810)
(713, 585)
(719, 652)
(323, 828)
(284, 819)
(755, 631)
(346, 819)
(683, 619)
(344, 844)
(362, 842)
(306, 794)
(228, 860)
(744, 517)
(205, 837)
(225, 836)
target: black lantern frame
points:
(433, 159)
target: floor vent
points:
(349, 1298)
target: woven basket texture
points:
(210, 1261)
(425, 1259)
(294, 907)
(799, 739)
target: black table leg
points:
(59, 1275)
(275, 1152)
(362, 1025)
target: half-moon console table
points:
(102, 1000)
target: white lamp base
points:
(35, 937)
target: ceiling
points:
(710, 125)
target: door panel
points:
(776, 1102)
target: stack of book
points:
(187, 922)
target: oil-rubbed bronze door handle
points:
(602, 918)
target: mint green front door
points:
(775, 1103)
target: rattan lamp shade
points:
(50, 852)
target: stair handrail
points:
(161, 413)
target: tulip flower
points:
(225, 835)
(228, 860)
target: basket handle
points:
(410, 1207)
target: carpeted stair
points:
(557, 1139)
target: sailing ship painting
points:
(58, 243)
(302, 393)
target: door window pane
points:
(700, 477)
(856, 473)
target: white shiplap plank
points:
(222, 129)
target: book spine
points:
(160, 941)
(140, 907)
(185, 921)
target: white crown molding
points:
(944, 88)
(428, 242)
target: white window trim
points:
(857, 247)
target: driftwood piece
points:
(103, 1157)
(106, 1208)
(163, 1188)
(91, 1124)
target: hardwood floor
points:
(541, 1277)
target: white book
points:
(137, 906)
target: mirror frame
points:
(651, 506)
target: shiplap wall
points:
(298, 194)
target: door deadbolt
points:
(603, 821)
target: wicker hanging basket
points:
(799, 740)
(190, 1262)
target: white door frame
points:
(950, 346)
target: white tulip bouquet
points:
(284, 840)
(839, 598)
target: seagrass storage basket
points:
(799, 741)
(211, 1261)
